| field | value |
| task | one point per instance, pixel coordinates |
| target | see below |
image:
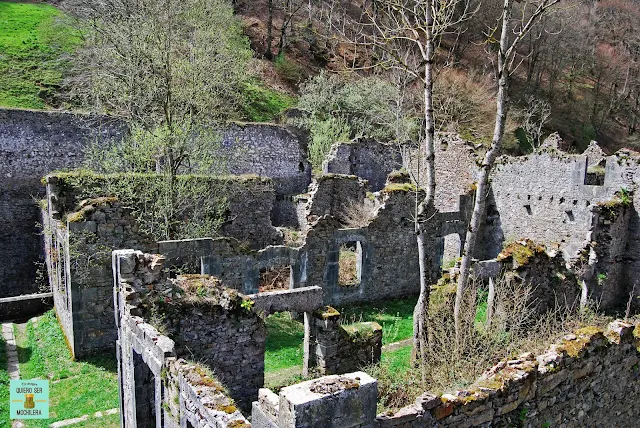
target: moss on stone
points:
(584, 337)
(399, 187)
(227, 408)
(362, 330)
(589, 331)
(327, 312)
(521, 252)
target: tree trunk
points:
(420, 312)
(502, 107)
(267, 49)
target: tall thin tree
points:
(511, 34)
(403, 35)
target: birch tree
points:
(403, 35)
(512, 32)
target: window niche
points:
(451, 250)
(594, 175)
(350, 264)
(275, 278)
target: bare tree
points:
(402, 35)
(534, 116)
(511, 34)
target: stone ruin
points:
(580, 210)
(588, 378)
(191, 351)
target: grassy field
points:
(33, 43)
(76, 387)
(283, 348)
(395, 317)
(4, 387)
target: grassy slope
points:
(77, 387)
(4, 387)
(32, 44)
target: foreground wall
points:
(590, 378)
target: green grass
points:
(262, 104)
(395, 317)
(33, 42)
(76, 387)
(285, 335)
(4, 386)
(398, 360)
(283, 347)
(110, 421)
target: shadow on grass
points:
(106, 361)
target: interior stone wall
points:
(218, 333)
(36, 143)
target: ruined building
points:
(580, 207)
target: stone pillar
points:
(325, 331)
(332, 401)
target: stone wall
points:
(79, 239)
(331, 401)
(543, 197)
(590, 378)
(78, 258)
(271, 151)
(342, 349)
(337, 195)
(36, 143)
(367, 159)
(201, 321)
(32, 144)
(455, 159)
(385, 242)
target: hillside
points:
(581, 80)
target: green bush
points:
(261, 104)
(289, 71)
(340, 107)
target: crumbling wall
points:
(33, 144)
(455, 161)
(543, 275)
(571, 384)
(610, 226)
(588, 379)
(201, 320)
(543, 197)
(367, 159)
(384, 246)
(271, 151)
(78, 257)
(80, 235)
(342, 349)
(337, 195)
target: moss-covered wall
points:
(590, 378)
